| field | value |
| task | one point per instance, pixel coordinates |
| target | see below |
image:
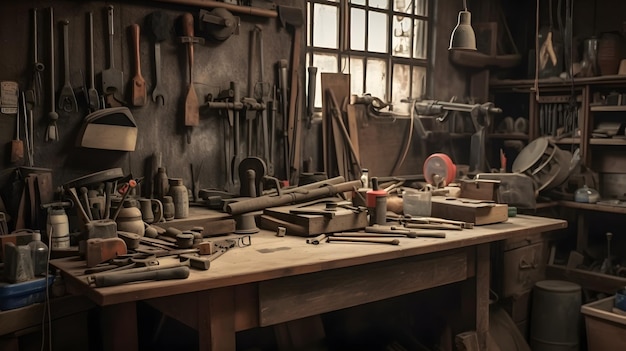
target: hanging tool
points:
(38, 67)
(139, 96)
(28, 131)
(52, 132)
(158, 22)
(67, 99)
(17, 146)
(192, 114)
(112, 78)
(93, 98)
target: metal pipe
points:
(266, 201)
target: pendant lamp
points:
(463, 37)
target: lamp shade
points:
(463, 37)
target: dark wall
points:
(160, 128)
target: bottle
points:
(365, 183)
(168, 208)
(39, 255)
(178, 191)
(161, 185)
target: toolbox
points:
(23, 294)
(605, 329)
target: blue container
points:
(620, 300)
(23, 294)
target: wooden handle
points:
(188, 32)
(180, 272)
(365, 240)
(135, 32)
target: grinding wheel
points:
(441, 165)
(254, 186)
(108, 175)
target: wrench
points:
(67, 99)
(157, 92)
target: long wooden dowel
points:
(248, 10)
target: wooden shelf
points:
(528, 84)
(590, 280)
(593, 207)
(620, 108)
(566, 141)
(607, 141)
(511, 136)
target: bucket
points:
(555, 316)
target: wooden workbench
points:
(279, 279)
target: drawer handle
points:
(525, 265)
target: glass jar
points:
(178, 192)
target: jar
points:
(161, 185)
(129, 218)
(178, 192)
(168, 208)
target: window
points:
(384, 46)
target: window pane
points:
(354, 66)
(380, 4)
(325, 26)
(420, 44)
(403, 6)
(358, 2)
(419, 82)
(310, 21)
(421, 7)
(401, 87)
(325, 63)
(357, 29)
(402, 33)
(376, 80)
(377, 32)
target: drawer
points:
(522, 267)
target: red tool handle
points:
(134, 29)
(188, 32)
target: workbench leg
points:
(216, 319)
(119, 327)
(482, 294)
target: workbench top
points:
(269, 257)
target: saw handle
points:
(188, 32)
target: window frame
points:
(344, 53)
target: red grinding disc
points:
(441, 165)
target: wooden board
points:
(315, 224)
(469, 210)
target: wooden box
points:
(605, 330)
(483, 189)
(469, 210)
(313, 224)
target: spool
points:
(555, 316)
(376, 204)
(58, 228)
(544, 162)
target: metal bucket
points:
(555, 316)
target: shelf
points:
(529, 84)
(593, 207)
(566, 141)
(510, 136)
(620, 108)
(590, 280)
(607, 141)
